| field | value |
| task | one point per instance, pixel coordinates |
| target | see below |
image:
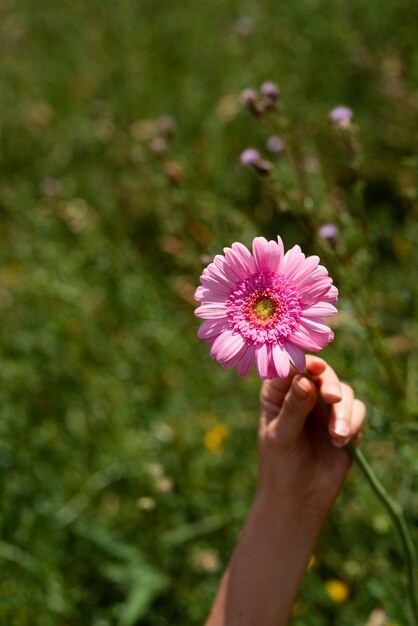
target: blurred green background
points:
(127, 455)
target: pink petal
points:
(246, 361)
(308, 266)
(311, 336)
(211, 311)
(234, 359)
(210, 295)
(317, 325)
(237, 269)
(312, 294)
(332, 295)
(262, 361)
(226, 346)
(215, 286)
(280, 269)
(274, 256)
(272, 373)
(236, 264)
(222, 265)
(211, 328)
(245, 257)
(293, 260)
(317, 274)
(199, 293)
(281, 361)
(297, 355)
(307, 340)
(321, 309)
(260, 247)
(211, 275)
(215, 269)
(312, 285)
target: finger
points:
(357, 420)
(328, 382)
(298, 403)
(339, 425)
(269, 411)
(358, 414)
(315, 365)
(272, 395)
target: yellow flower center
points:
(265, 308)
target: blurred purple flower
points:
(269, 90)
(248, 97)
(275, 144)
(167, 124)
(158, 145)
(250, 157)
(328, 231)
(341, 116)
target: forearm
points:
(267, 566)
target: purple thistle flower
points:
(275, 144)
(341, 116)
(248, 97)
(250, 157)
(328, 231)
(269, 90)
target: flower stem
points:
(395, 512)
(392, 508)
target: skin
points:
(302, 466)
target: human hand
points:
(303, 462)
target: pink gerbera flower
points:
(265, 307)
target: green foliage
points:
(113, 510)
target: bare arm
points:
(302, 467)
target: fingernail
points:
(302, 387)
(341, 428)
(333, 390)
(340, 443)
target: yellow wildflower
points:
(337, 590)
(213, 439)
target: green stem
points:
(395, 512)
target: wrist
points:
(290, 510)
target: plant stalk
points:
(395, 513)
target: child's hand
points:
(302, 459)
(303, 464)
